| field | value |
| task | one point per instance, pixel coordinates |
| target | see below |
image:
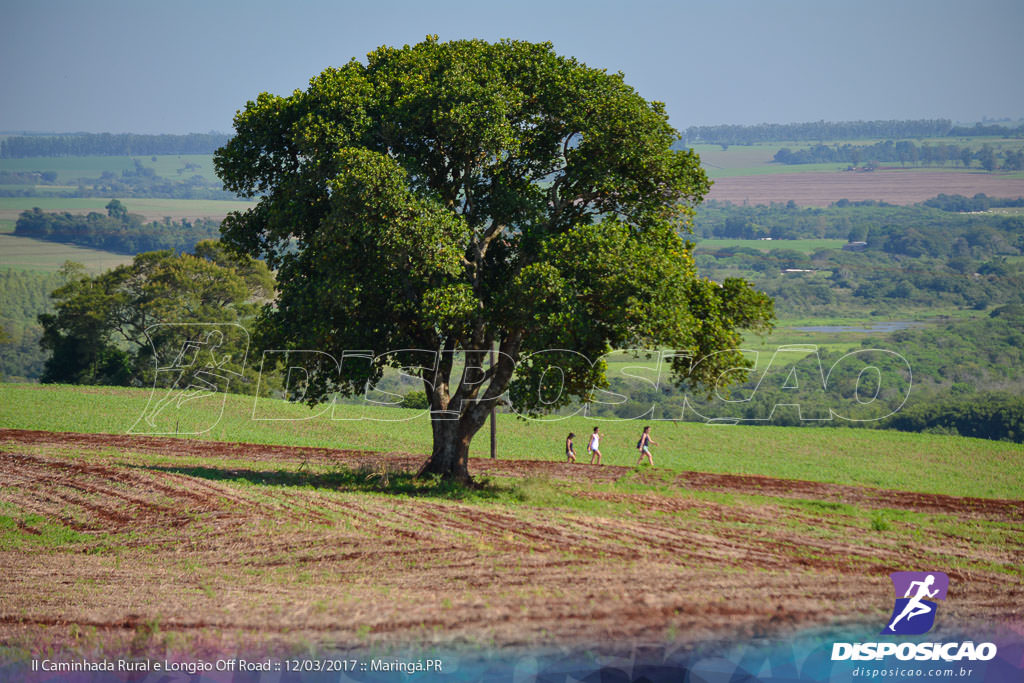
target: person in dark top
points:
(643, 445)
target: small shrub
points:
(416, 400)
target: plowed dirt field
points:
(135, 544)
(893, 186)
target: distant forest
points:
(130, 144)
(820, 131)
(904, 152)
(117, 231)
(109, 144)
(911, 257)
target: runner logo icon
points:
(916, 593)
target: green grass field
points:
(787, 334)
(153, 209)
(742, 160)
(25, 253)
(876, 458)
(808, 246)
(71, 169)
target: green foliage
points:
(879, 522)
(987, 158)
(945, 375)
(915, 257)
(102, 329)
(1009, 312)
(117, 210)
(4, 340)
(457, 196)
(23, 296)
(416, 400)
(36, 533)
(962, 204)
(986, 415)
(118, 231)
(901, 151)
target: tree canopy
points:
(118, 327)
(457, 197)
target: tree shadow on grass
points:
(365, 479)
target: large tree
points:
(457, 197)
(117, 327)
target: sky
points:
(143, 66)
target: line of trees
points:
(117, 231)
(131, 144)
(839, 283)
(904, 152)
(989, 415)
(980, 202)
(817, 131)
(109, 144)
(987, 130)
(28, 177)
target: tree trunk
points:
(466, 412)
(450, 455)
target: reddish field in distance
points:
(894, 186)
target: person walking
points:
(643, 445)
(570, 452)
(594, 447)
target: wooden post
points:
(494, 426)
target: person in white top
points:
(594, 447)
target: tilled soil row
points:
(228, 564)
(982, 508)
